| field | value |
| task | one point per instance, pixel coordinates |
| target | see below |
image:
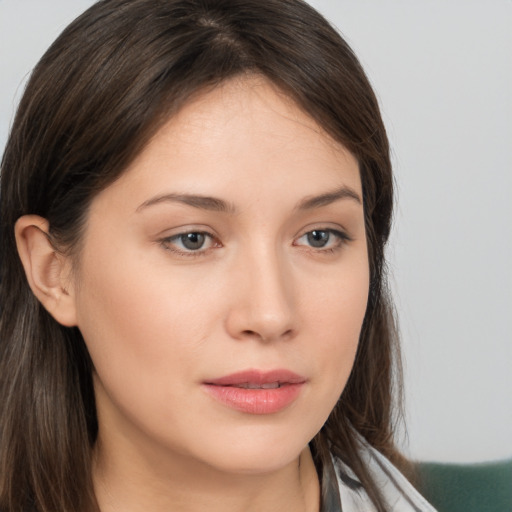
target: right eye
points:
(190, 242)
(325, 239)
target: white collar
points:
(348, 494)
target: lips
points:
(256, 392)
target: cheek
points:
(144, 339)
(145, 325)
(336, 308)
(337, 303)
(120, 311)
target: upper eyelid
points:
(188, 228)
(338, 231)
(178, 231)
(189, 231)
(176, 236)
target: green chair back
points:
(485, 487)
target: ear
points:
(48, 271)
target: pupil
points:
(318, 238)
(193, 240)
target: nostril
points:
(267, 337)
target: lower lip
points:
(255, 401)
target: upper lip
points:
(258, 377)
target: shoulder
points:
(397, 491)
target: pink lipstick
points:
(256, 392)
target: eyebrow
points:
(197, 201)
(219, 205)
(328, 198)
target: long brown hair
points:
(93, 101)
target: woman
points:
(195, 197)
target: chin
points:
(255, 453)
(257, 463)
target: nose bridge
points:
(264, 306)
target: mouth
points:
(256, 392)
(251, 385)
(254, 379)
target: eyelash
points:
(168, 243)
(341, 239)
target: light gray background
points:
(443, 73)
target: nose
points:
(262, 305)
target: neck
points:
(136, 484)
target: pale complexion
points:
(273, 275)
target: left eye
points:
(322, 238)
(193, 241)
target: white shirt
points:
(348, 494)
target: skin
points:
(159, 319)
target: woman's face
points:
(222, 285)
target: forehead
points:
(243, 137)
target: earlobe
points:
(46, 269)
